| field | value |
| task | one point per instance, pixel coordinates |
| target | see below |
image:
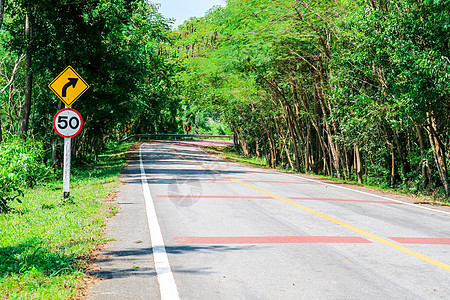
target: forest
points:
(358, 90)
(116, 48)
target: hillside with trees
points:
(357, 90)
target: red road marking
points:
(343, 200)
(411, 240)
(212, 179)
(267, 197)
(269, 240)
(216, 197)
(274, 181)
(188, 179)
(247, 172)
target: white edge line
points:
(167, 285)
(370, 194)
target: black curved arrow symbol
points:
(72, 82)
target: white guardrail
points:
(149, 136)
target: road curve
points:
(228, 231)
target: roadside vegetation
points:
(21, 167)
(46, 242)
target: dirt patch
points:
(89, 262)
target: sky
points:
(182, 10)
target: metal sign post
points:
(66, 173)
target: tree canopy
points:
(114, 45)
(353, 89)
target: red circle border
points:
(54, 121)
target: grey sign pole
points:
(66, 174)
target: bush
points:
(21, 166)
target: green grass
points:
(46, 242)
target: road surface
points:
(192, 226)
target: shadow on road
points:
(130, 255)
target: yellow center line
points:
(334, 220)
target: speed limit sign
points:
(67, 122)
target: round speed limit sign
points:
(67, 122)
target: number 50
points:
(63, 122)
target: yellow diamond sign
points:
(68, 86)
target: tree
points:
(26, 109)
(392, 69)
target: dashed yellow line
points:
(334, 220)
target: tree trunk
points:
(392, 167)
(2, 9)
(266, 155)
(244, 146)
(358, 164)
(290, 122)
(439, 155)
(402, 153)
(26, 109)
(424, 165)
(286, 148)
(311, 163)
(235, 138)
(333, 147)
(273, 152)
(309, 158)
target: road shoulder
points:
(124, 267)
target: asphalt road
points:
(192, 226)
